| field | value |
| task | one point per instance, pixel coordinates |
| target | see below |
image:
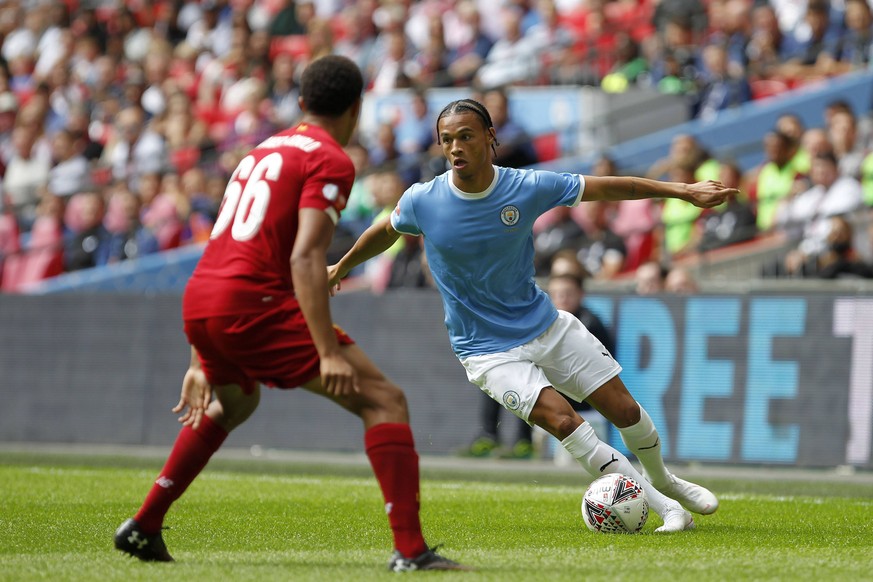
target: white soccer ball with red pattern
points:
(615, 503)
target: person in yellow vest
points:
(679, 217)
(867, 178)
(776, 177)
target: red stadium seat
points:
(547, 147)
(42, 259)
(764, 88)
(296, 45)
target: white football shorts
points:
(566, 356)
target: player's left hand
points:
(708, 193)
(333, 279)
(196, 396)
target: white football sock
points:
(598, 458)
(643, 441)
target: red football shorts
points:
(273, 348)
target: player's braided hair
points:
(468, 105)
(330, 85)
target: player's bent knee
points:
(627, 415)
(384, 399)
(566, 424)
(235, 406)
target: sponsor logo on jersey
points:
(511, 400)
(509, 215)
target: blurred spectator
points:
(468, 54)
(134, 149)
(8, 109)
(792, 126)
(565, 263)
(629, 66)
(851, 51)
(70, 172)
(429, 66)
(409, 267)
(678, 217)
(843, 135)
(680, 281)
(204, 204)
(386, 187)
(26, 173)
(416, 130)
(87, 237)
(722, 89)
(512, 60)
(560, 233)
(805, 217)
(393, 70)
(515, 147)
(283, 92)
(126, 237)
(765, 51)
(867, 179)
(840, 260)
(602, 252)
(360, 207)
(685, 152)
(383, 152)
(733, 221)
(550, 39)
(358, 39)
(649, 278)
(808, 59)
(286, 21)
(775, 179)
(732, 32)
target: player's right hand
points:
(196, 396)
(338, 376)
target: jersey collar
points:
(474, 195)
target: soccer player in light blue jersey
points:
(477, 221)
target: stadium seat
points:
(296, 45)
(9, 241)
(42, 259)
(763, 88)
(547, 147)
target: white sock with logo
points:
(598, 458)
(643, 441)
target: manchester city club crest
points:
(511, 400)
(509, 215)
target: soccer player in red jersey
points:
(256, 310)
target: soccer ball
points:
(615, 503)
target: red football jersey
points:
(246, 264)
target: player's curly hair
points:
(330, 85)
(472, 105)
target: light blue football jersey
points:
(480, 251)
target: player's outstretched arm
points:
(704, 194)
(374, 241)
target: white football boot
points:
(676, 519)
(692, 497)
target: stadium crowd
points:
(120, 121)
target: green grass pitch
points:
(285, 521)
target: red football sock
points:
(189, 456)
(392, 454)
